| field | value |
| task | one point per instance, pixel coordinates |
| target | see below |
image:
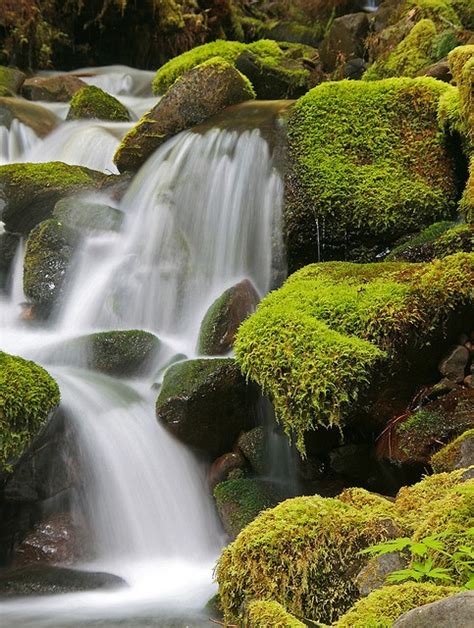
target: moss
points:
(52, 173)
(189, 375)
(27, 395)
(449, 456)
(120, 352)
(458, 58)
(314, 344)
(437, 10)
(450, 113)
(461, 63)
(10, 80)
(301, 554)
(420, 247)
(466, 204)
(383, 606)
(93, 102)
(459, 238)
(263, 614)
(222, 64)
(360, 498)
(348, 185)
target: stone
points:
(223, 318)
(455, 611)
(252, 444)
(351, 461)
(439, 71)
(345, 40)
(86, 216)
(38, 118)
(223, 467)
(60, 88)
(354, 68)
(373, 575)
(91, 102)
(458, 454)
(197, 95)
(8, 248)
(11, 79)
(453, 366)
(206, 404)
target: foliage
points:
(27, 395)
(263, 614)
(93, 102)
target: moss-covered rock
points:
(29, 192)
(92, 102)
(60, 88)
(350, 188)
(206, 403)
(461, 62)
(38, 118)
(466, 204)
(316, 343)
(198, 94)
(254, 447)
(456, 455)
(263, 614)
(303, 554)
(382, 607)
(455, 610)
(436, 241)
(27, 396)
(224, 316)
(85, 216)
(11, 79)
(8, 247)
(239, 501)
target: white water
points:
(201, 214)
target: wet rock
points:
(197, 95)
(8, 247)
(223, 467)
(52, 88)
(440, 71)
(455, 611)
(11, 79)
(86, 216)
(352, 461)
(38, 118)
(223, 318)
(453, 366)
(354, 68)
(345, 40)
(458, 454)
(252, 444)
(48, 580)
(206, 404)
(91, 102)
(373, 575)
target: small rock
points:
(455, 611)
(223, 467)
(252, 444)
(38, 118)
(453, 366)
(374, 574)
(52, 88)
(439, 70)
(11, 79)
(345, 39)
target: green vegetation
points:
(27, 395)
(466, 204)
(185, 376)
(447, 457)
(118, 353)
(263, 614)
(93, 102)
(50, 174)
(313, 344)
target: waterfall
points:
(15, 141)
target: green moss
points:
(466, 204)
(52, 173)
(461, 63)
(302, 554)
(459, 238)
(458, 58)
(190, 375)
(360, 498)
(263, 614)
(383, 606)
(10, 80)
(27, 395)
(437, 10)
(314, 344)
(421, 246)
(120, 352)
(447, 457)
(450, 113)
(93, 102)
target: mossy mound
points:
(303, 554)
(91, 102)
(314, 344)
(349, 188)
(460, 114)
(457, 454)
(263, 614)
(436, 241)
(382, 607)
(27, 396)
(11, 79)
(284, 59)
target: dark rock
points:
(48, 580)
(345, 40)
(38, 118)
(224, 317)
(8, 247)
(206, 404)
(197, 95)
(455, 611)
(253, 445)
(354, 69)
(453, 366)
(373, 575)
(11, 79)
(223, 466)
(52, 88)
(440, 71)
(352, 461)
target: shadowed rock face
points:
(455, 611)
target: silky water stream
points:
(203, 213)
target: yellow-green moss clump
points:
(265, 614)
(302, 554)
(349, 187)
(451, 455)
(93, 102)
(461, 63)
(383, 606)
(314, 344)
(436, 241)
(27, 396)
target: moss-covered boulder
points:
(457, 454)
(436, 241)
(316, 343)
(198, 94)
(60, 88)
(27, 396)
(223, 318)
(91, 102)
(239, 501)
(455, 611)
(11, 79)
(352, 191)
(253, 445)
(29, 192)
(38, 118)
(263, 614)
(302, 554)
(85, 216)
(382, 607)
(206, 403)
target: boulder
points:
(197, 95)
(455, 611)
(29, 192)
(254, 447)
(11, 79)
(91, 102)
(206, 404)
(453, 365)
(224, 317)
(85, 216)
(436, 241)
(458, 454)
(38, 118)
(224, 466)
(8, 246)
(345, 40)
(59, 88)
(440, 71)
(373, 575)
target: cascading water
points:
(202, 214)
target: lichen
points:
(445, 459)
(263, 614)
(93, 102)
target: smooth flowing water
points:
(203, 213)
